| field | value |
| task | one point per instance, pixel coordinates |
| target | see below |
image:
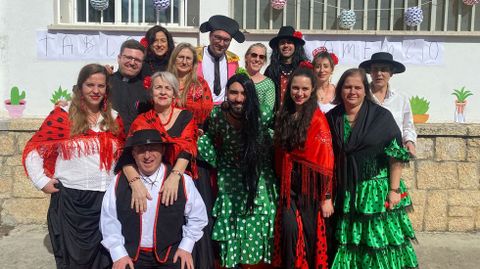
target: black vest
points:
(167, 232)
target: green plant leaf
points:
(419, 105)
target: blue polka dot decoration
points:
(413, 16)
(161, 4)
(346, 19)
(99, 5)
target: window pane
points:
(398, 15)
(251, 14)
(358, 5)
(193, 9)
(466, 17)
(93, 14)
(372, 15)
(452, 15)
(265, 14)
(238, 12)
(318, 15)
(305, 14)
(427, 9)
(291, 8)
(331, 14)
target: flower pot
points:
(459, 115)
(420, 118)
(15, 111)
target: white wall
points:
(19, 64)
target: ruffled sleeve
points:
(396, 151)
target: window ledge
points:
(371, 32)
(118, 27)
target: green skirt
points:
(374, 236)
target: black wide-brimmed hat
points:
(286, 32)
(138, 138)
(219, 22)
(383, 58)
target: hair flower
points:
(147, 82)
(306, 64)
(144, 42)
(322, 49)
(298, 34)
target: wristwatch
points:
(397, 190)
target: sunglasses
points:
(254, 55)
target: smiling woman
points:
(159, 46)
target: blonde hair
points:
(167, 77)
(77, 113)
(249, 50)
(192, 78)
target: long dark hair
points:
(291, 128)
(352, 72)
(150, 36)
(252, 136)
(276, 62)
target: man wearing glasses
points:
(215, 63)
(128, 94)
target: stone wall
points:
(444, 180)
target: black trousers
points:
(146, 260)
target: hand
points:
(411, 148)
(109, 69)
(327, 208)
(169, 189)
(140, 195)
(123, 262)
(50, 187)
(200, 132)
(393, 199)
(61, 103)
(185, 259)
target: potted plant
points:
(460, 103)
(16, 104)
(60, 95)
(420, 107)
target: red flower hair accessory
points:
(306, 64)
(147, 82)
(144, 42)
(324, 49)
(298, 34)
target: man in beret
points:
(215, 63)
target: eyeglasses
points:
(219, 39)
(130, 58)
(254, 55)
(184, 58)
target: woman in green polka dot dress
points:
(237, 144)
(373, 229)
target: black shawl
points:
(363, 155)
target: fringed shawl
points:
(199, 101)
(186, 142)
(314, 162)
(53, 140)
(363, 155)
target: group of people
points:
(181, 159)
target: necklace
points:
(93, 118)
(169, 117)
(150, 181)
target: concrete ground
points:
(27, 247)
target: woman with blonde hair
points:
(194, 94)
(72, 157)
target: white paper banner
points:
(65, 46)
(358, 49)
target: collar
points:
(389, 94)
(153, 178)
(210, 54)
(126, 79)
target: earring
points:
(105, 102)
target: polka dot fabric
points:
(375, 237)
(244, 238)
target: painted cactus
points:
(15, 96)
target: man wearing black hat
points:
(287, 53)
(162, 237)
(381, 68)
(215, 63)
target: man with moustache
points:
(215, 63)
(161, 237)
(128, 94)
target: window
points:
(181, 13)
(371, 15)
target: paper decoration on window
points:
(413, 16)
(278, 4)
(471, 2)
(161, 4)
(99, 5)
(346, 19)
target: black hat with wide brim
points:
(220, 22)
(139, 138)
(285, 32)
(383, 58)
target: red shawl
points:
(187, 141)
(315, 162)
(199, 101)
(53, 138)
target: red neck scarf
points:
(53, 138)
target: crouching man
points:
(162, 237)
